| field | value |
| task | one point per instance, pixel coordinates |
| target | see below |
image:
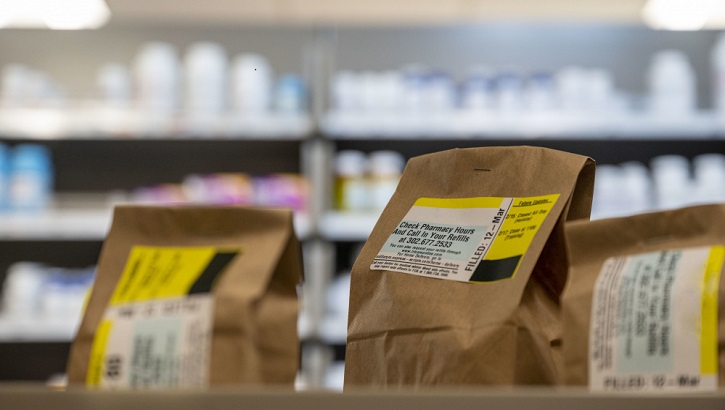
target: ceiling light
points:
(54, 14)
(680, 14)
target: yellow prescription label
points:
(154, 273)
(96, 365)
(480, 239)
(654, 321)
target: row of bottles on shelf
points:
(26, 186)
(33, 291)
(210, 84)
(159, 94)
(26, 178)
(206, 84)
(380, 102)
(273, 190)
(159, 81)
(414, 89)
(671, 181)
(36, 292)
(366, 182)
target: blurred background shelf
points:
(37, 330)
(82, 224)
(68, 224)
(347, 226)
(486, 126)
(108, 123)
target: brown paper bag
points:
(488, 215)
(189, 297)
(641, 306)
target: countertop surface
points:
(26, 396)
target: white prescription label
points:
(654, 322)
(162, 343)
(479, 239)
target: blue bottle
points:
(4, 177)
(31, 178)
(290, 95)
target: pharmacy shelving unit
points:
(70, 234)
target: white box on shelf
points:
(37, 329)
(347, 226)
